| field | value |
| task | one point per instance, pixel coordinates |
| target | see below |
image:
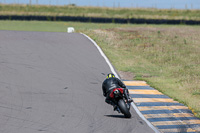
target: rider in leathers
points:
(111, 83)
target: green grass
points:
(167, 57)
(99, 12)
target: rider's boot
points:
(130, 100)
(127, 96)
(114, 105)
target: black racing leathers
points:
(110, 84)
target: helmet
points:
(110, 75)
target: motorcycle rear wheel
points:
(124, 109)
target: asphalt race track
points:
(51, 83)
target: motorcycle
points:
(123, 106)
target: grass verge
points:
(167, 57)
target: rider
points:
(111, 83)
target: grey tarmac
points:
(51, 83)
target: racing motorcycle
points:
(123, 106)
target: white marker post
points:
(70, 29)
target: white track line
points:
(113, 71)
(104, 56)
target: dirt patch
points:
(126, 75)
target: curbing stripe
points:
(140, 87)
(184, 131)
(166, 111)
(171, 119)
(148, 96)
(181, 132)
(142, 116)
(159, 104)
(188, 130)
(135, 83)
(163, 112)
(178, 126)
(177, 122)
(148, 116)
(141, 100)
(154, 92)
(184, 115)
(162, 107)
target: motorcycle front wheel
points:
(123, 107)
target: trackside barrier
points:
(99, 20)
